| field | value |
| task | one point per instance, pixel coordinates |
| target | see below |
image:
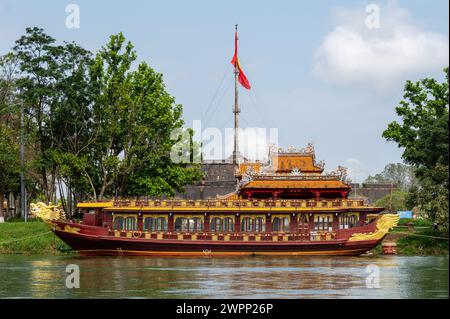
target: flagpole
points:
(236, 109)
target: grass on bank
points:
(420, 240)
(31, 238)
(421, 222)
(423, 243)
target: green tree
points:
(423, 133)
(394, 202)
(134, 117)
(38, 64)
(56, 93)
(9, 163)
(95, 125)
(400, 174)
(70, 119)
(154, 116)
(9, 155)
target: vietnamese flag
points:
(235, 61)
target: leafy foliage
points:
(397, 202)
(9, 155)
(94, 123)
(424, 135)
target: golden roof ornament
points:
(321, 164)
(342, 172)
(309, 148)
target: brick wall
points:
(218, 179)
(371, 191)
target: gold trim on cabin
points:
(123, 215)
(155, 215)
(316, 217)
(190, 216)
(211, 217)
(272, 216)
(263, 216)
(301, 215)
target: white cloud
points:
(353, 53)
(356, 171)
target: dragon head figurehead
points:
(384, 224)
(47, 212)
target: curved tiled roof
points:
(289, 184)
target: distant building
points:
(372, 191)
(218, 180)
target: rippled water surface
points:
(243, 277)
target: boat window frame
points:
(323, 222)
(157, 227)
(349, 220)
(253, 226)
(223, 222)
(285, 223)
(124, 224)
(189, 218)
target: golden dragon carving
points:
(47, 212)
(384, 224)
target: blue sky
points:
(318, 73)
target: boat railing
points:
(290, 177)
(230, 236)
(238, 203)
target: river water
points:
(211, 277)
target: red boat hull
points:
(89, 242)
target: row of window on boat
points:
(227, 224)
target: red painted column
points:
(317, 195)
(362, 218)
(311, 222)
(268, 223)
(170, 224)
(237, 224)
(98, 217)
(206, 226)
(107, 218)
(140, 223)
(335, 222)
(293, 225)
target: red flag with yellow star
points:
(235, 61)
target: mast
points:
(236, 111)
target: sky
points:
(326, 72)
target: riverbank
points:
(422, 242)
(31, 238)
(35, 238)
(417, 238)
